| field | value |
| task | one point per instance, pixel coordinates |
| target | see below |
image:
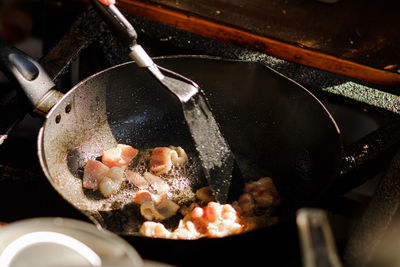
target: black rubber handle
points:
(119, 25)
(21, 69)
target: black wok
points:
(274, 126)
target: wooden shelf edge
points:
(262, 44)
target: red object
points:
(107, 2)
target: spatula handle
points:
(316, 239)
(117, 22)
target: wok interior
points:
(274, 127)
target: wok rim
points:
(91, 214)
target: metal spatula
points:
(217, 159)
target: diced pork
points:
(263, 192)
(178, 155)
(247, 204)
(145, 195)
(216, 220)
(205, 194)
(158, 211)
(258, 195)
(116, 174)
(96, 175)
(119, 156)
(185, 210)
(155, 207)
(94, 171)
(156, 183)
(154, 229)
(112, 182)
(108, 186)
(162, 159)
(136, 179)
(213, 220)
(167, 208)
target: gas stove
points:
(367, 115)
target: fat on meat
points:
(163, 158)
(156, 183)
(213, 220)
(108, 186)
(136, 179)
(205, 194)
(93, 173)
(111, 183)
(155, 207)
(119, 156)
(107, 180)
(178, 155)
(263, 191)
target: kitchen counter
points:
(354, 38)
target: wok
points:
(274, 126)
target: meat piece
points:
(185, 210)
(111, 183)
(145, 195)
(167, 208)
(155, 207)
(119, 156)
(260, 194)
(156, 183)
(229, 213)
(154, 229)
(266, 199)
(213, 220)
(158, 211)
(149, 211)
(227, 222)
(257, 222)
(162, 159)
(108, 186)
(186, 230)
(136, 179)
(205, 194)
(263, 192)
(178, 155)
(96, 175)
(116, 174)
(217, 220)
(247, 204)
(212, 211)
(93, 172)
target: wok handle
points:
(316, 240)
(29, 77)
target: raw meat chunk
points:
(93, 173)
(119, 156)
(162, 159)
(136, 179)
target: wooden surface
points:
(355, 38)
